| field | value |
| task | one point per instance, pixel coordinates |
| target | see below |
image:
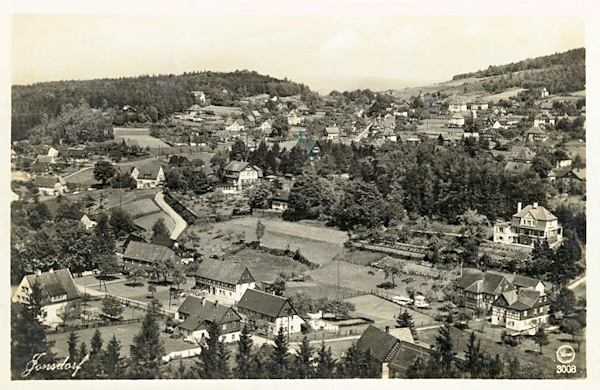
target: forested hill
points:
(153, 96)
(559, 73)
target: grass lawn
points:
(265, 266)
(527, 351)
(317, 291)
(83, 179)
(149, 220)
(359, 257)
(383, 312)
(124, 333)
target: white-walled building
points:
(197, 314)
(270, 312)
(224, 280)
(521, 311)
(148, 176)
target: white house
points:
(333, 133)
(294, 119)
(456, 120)
(457, 106)
(521, 311)
(545, 93)
(87, 222)
(235, 126)
(58, 289)
(148, 176)
(529, 225)
(240, 175)
(266, 127)
(280, 201)
(197, 314)
(270, 312)
(225, 280)
(52, 152)
(544, 119)
(50, 185)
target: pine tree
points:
(405, 320)
(83, 351)
(349, 365)
(112, 359)
(243, 359)
(474, 356)
(72, 342)
(418, 369)
(213, 359)
(369, 367)
(147, 350)
(96, 343)
(279, 367)
(325, 362)
(304, 360)
(445, 348)
(27, 332)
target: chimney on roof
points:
(203, 300)
(387, 329)
(38, 272)
(519, 207)
(51, 270)
(535, 205)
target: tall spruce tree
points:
(349, 364)
(96, 343)
(113, 361)
(325, 362)
(72, 343)
(445, 348)
(474, 357)
(304, 365)
(27, 333)
(212, 362)
(147, 350)
(243, 359)
(279, 367)
(405, 320)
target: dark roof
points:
(468, 279)
(484, 283)
(221, 271)
(179, 161)
(163, 241)
(524, 300)
(55, 283)
(149, 171)
(263, 303)
(42, 181)
(406, 355)
(383, 345)
(198, 313)
(524, 281)
(149, 253)
(282, 196)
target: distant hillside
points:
(559, 73)
(154, 97)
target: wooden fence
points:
(92, 325)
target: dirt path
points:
(180, 223)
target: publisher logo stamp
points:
(565, 354)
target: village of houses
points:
(233, 283)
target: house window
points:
(525, 313)
(224, 326)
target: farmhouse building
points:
(225, 280)
(270, 313)
(142, 253)
(479, 290)
(280, 201)
(333, 133)
(50, 185)
(58, 289)
(529, 225)
(536, 134)
(148, 176)
(240, 175)
(456, 120)
(521, 311)
(197, 314)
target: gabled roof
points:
(195, 107)
(197, 313)
(524, 281)
(237, 166)
(540, 213)
(42, 158)
(381, 343)
(306, 144)
(525, 300)
(149, 171)
(55, 284)
(535, 130)
(482, 283)
(149, 253)
(222, 271)
(332, 130)
(457, 116)
(406, 355)
(263, 303)
(282, 196)
(48, 182)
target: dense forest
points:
(559, 73)
(153, 97)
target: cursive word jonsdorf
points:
(35, 365)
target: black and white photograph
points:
(295, 190)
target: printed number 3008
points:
(566, 368)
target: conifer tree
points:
(474, 357)
(113, 362)
(541, 339)
(243, 359)
(405, 320)
(304, 360)
(147, 350)
(96, 343)
(72, 342)
(445, 349)
(325, 362)
(213, 359)
(279, 367)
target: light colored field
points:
(148, 221)
(504, 95)
(126, 131)
(83, 178)
(384, 312)
(142, 207)
(265, 266)
(317, 291)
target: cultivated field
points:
(384, 312)
(141, 207)
(140, 135)
(83, 178)
(504, 95)
(316, 291)
(265, 266)
(147, 221)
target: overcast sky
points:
(325, 52)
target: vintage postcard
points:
(264, 192)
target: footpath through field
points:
(180, 223)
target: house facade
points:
(240, 175)
(50, 186)
(479, 290)
(536, 134)
(531, 224)
(270, 313)
(144, 254)
(224, 280)
(148, 176)
(58, 290)
(197, 315)
(280, 201)
(521, 311)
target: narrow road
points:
(577, 282)
(79, 171)
(180, 223)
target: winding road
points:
(180, 223)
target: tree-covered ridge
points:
(566, 58)
(559, 73)
(154, 96)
